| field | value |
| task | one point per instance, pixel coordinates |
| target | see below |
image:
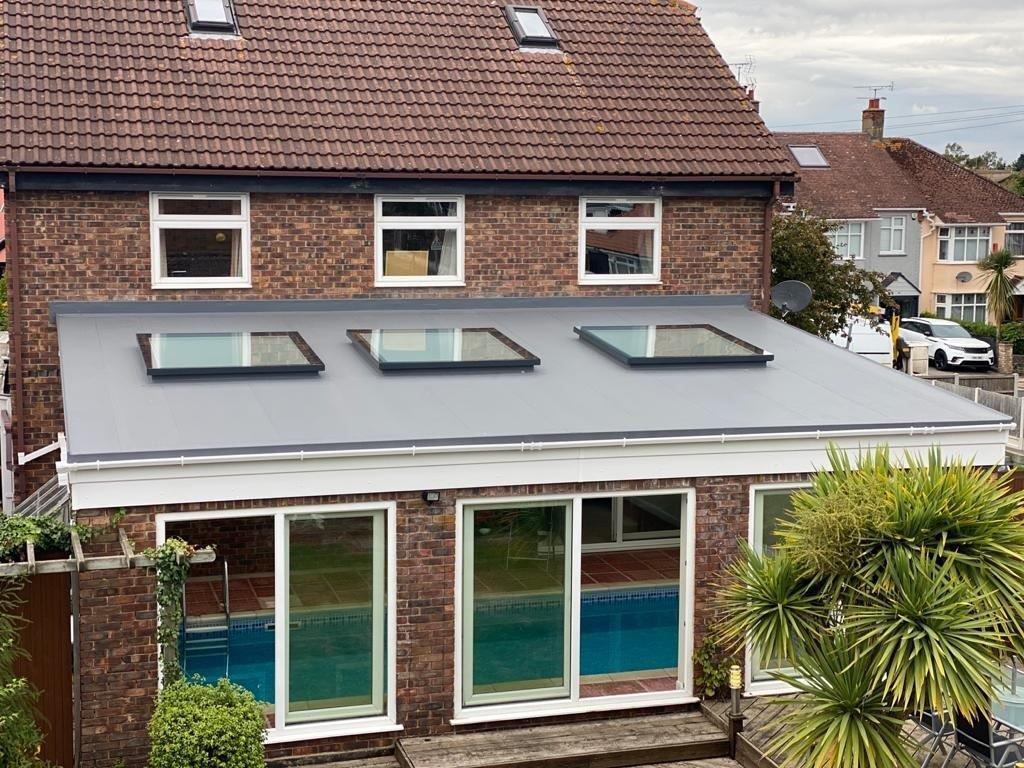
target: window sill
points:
(892, 253)
(493, 714)
(358, 727)
(399, 283)
(189, 284)
(619, 281)
(955, 263)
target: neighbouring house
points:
(967, 216)
(851, 180)
(908, 212)
(441, 322)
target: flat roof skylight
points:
(440, 349)
(211, 16)
(652, 345)
(227, 354)
(530, 27)
(808, 156)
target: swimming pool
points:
(621, 630)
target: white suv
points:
(949, 343)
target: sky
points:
(957, 67)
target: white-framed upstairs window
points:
(894, 235)
(620, 240)
(964, 243)
(419, 240)
(200, 240)
(972, 307)
(1015, 238)
(847, 239)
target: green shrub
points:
(19, 735)
(712, 663)
(206, 726)
(47, 533)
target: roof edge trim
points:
(117, 461)
(164, 307)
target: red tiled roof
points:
(861, 177)
(955, 194)
(377, 86)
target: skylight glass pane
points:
(809, 157)
(533, 25)
(188, 354)
(211, 11)
(439, 348)
(671, 345)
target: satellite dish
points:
(964, 277)
(791, 296)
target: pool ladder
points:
(202, 639)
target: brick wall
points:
(118, 613)
(95, 246)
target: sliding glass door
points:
(298, 608)
(516, 602)
(573, 599)
(336, 615)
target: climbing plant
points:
(19, 734)
(171, 561)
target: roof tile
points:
(376, 86)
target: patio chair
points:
(987, 743)
(936, 732)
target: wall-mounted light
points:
(431, 497)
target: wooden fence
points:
(46, 606)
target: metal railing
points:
(51, 499)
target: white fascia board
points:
(95, 486)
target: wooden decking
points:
(652, 740)
(764, 722)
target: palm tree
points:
(896, 588)
(1000, 290)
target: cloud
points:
(943, 56)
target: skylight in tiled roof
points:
(808, 156)
(211, 16)
(403, 349)
(530, 27)
(656, 345)
(227, 354)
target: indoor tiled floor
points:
(628, 682)
(255, 593)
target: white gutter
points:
(523, 447)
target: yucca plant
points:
(895, 588)
(1000, 291)
(841, 719)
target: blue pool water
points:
(515, 639)
(330, 656)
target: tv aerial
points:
(791, 296)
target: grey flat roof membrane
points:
(113, 410)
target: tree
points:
(989, 160)
(956, 153)
(1000, 290)
(896, 588)
(801, 250)
(1018, 164)
(1017, 184)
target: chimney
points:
(752, 98)
(873, 120)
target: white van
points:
(866, 338)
